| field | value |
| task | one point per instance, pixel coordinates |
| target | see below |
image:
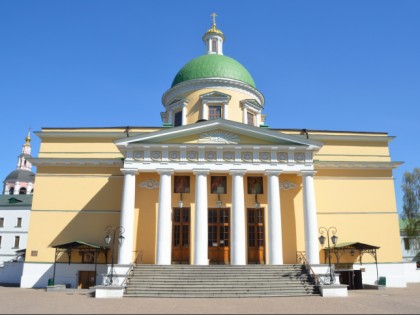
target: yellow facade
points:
(77, 202)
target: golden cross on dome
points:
(214, 18)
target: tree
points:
(411, 206)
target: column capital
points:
(237, 172)
(129, 171)
(165, 171)
(307, 173)
(273, 172)
(201, 171)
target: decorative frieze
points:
(287, 185)
(174, 155)
(192, 156)
(222, 154)
(149, 184)
(219, 137)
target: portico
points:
(219, 150)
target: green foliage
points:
(411, 207)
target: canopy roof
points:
(77, 244)
(355, 245)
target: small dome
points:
(213, 66)
(20, 176)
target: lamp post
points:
(334, 241)
(111, 234)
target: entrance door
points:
(181, 235)
(256, 236)
(219, 225)
(86, 279)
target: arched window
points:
(11, 191)
(22, 191)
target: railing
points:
(138, 259)
(301, 259)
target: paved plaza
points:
(38, 301)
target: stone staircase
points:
(220, 281)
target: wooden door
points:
(256, 243)
(181, 235)
(219, 235)
(86, 279)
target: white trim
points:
(210, 83)
(356, 165)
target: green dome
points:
(213, 66)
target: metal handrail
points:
(131, 269)
(301, 258)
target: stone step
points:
(219, 281)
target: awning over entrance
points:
(77, 244)
(88, 251)
(353, 248)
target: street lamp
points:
(111, 234)
(334, 241)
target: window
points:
(250, 118)
(214, 45)
(0, 240)
(22, 191)
(215, 112)
(178, 119)
(11, 191)
(17, 240)
(1, 222)
(19, 222)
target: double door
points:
(256, 243)
(181, 235)
(219, 235)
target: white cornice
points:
(76, 162)
(210, 83)
(358, 138)
(82, 134)
(355, 165)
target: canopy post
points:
(55, 263)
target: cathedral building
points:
(212, 185)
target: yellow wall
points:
(77, 202)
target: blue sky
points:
(328, 65)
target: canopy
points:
(355, 245)
(352, 247)
(77, 244)
(90, 252)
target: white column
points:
(275, 242)
(225, 111)
(244, 115)
(125, 250)
(184, 115)
(201, 256)
(311, 224)
(16, 188)
(164, 226)
(170, 119)
(238, 235)
(204, 112)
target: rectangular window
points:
(250, 118)
(1, 222)
(0, 240)
(178, 118)
(214, 45)
(215, 112)
(19, 222)
(17, 240)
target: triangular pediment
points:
(218, 132)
